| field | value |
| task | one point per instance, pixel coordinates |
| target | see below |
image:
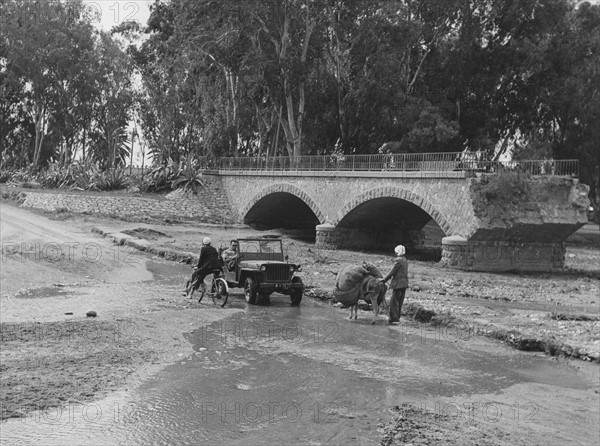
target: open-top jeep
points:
(261, 269)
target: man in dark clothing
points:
(207, 263)
(398, 284)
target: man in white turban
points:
(398, 284)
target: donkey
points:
(356, 282)
(372, 291)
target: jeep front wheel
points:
(250, 290)
(296, 294)
(265, 298)
(296, 297)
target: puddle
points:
(39, 293)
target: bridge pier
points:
(457, 251)
(498, 256)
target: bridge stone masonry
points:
(500, 221)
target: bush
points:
(173, 176)
(5, 176)
(507, 186)
(24, 175)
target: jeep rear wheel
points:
(250, 290)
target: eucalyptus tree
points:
(13, 114)
(311, 76)
(114, 105)
(43, 43)
(169, 105)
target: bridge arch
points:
(394, 192)
(282, 192)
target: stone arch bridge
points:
(456, 213)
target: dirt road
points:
(53, 272)
(152, 368)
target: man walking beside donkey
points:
(398, 284)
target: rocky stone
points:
(595, 355)
(91, 313)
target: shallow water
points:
(278, 374)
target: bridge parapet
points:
(436, 164)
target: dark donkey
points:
(354, 283)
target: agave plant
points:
(161, 177)
(188, 178)
(82, 175)
(111, 179)
(55, 176)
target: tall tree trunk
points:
(335, 21)
(40, 121)
(83, 144)
(276, 147)
(309, 27)
(232, 82)
(295, 124)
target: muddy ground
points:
(52, 354)
(554, 313)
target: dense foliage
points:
(291, 77)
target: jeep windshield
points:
(261, 250)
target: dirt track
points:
(53, 272)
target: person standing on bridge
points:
(398, 284)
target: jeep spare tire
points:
(250, 290)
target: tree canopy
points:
(293, 77)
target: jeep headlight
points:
(263, 267)
(292, 268)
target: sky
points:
(108, 13)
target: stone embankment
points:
(141, 244)
(210, 204)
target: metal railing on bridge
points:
(402, 162)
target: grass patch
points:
(506, 187)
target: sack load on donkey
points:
(356, 282)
